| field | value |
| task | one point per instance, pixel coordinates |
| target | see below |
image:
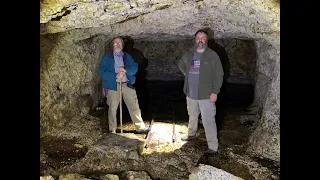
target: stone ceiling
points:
(164, 20)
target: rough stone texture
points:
(67, 79)
(109, 177)
(167, 19)
(248, 119)
(135, 175)
(163, 58)
(242, 59)
(265, 140)
(85, 129)
(163, 159)
(46, 178)
(206, 172)
(126, 152)
(72, 176)
(256, 170)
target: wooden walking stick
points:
(120, 94)
(173, 125)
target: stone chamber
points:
(74, 138)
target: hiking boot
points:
(210, 152)
(187, 138)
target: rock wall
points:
(241, 62)
(163, 58)
(167, 19)
(68, 78)
(265, 139)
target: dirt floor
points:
(60, 152)
(164, 104)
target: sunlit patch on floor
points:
(161, 139)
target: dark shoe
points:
(187, 138)
(100, 107)
(210, 152)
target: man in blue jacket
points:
(116, 65)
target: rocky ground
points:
(120, 156)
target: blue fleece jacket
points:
(108, 73)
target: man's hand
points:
(121, 69)
(213, 98)
(120, 74)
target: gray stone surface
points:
(167, 19)
(118, 153)
(241, 59)
(265, 139)
(68, 79)
(258, 171)
(46, 178)
(135, 175)
(206, 172)
(126, 152)
(72, 176)
(109, 177)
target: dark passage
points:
(161, 96)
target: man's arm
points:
(218, 73)
(182, 64)
(131, 66)
(104, 71)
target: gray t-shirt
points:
(194, 76)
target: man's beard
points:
(117, 50)
(201, 46)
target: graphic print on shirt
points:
(195, 65)
(194, 76)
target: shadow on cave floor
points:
(165, 102)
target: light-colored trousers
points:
(208, 112)
(130, 98)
